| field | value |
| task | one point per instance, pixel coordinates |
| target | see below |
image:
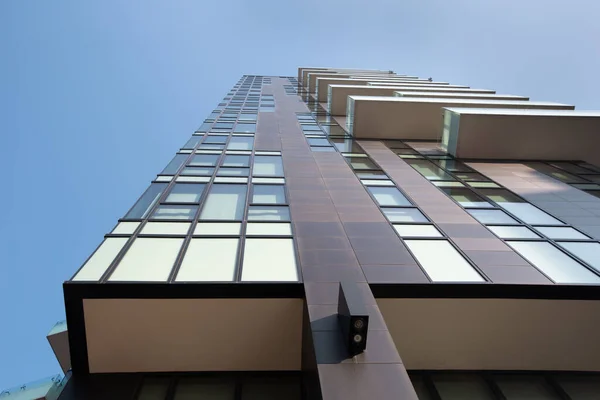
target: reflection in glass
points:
(245, 128)
(268, 194)
(561, 232)
(371, 175)
(452, 165)
(406, 230)
(224, 202)
(192, 142)
(359, 163)
(404, 215)
(233, 172)
(429, 170)
(588, 252)
(317, 142)
(185, 193)
(530, 214)
(216, 139)
(388, 196)
(554, 263)
(492, 217)
(174, 212)
(465, 197)
(267, 166)
(236, 161)
(174, 164)
(268, 213)
(145, 203)
(240, 143)
(513, 232)
(204, 160)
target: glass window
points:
(470, 176)
(377, 182)
(388, 196)
(245, 128)
(268, 229)
(429, 170)
(164, 178)
(417, 230)
(311, 128)
(233, 172)
(492, 217)
(371, 175)
(323, 149)
(501, 196)
(125, 228)
(588, 252)
(462, 387)
(209, 146)
(555, 173)
(209, 259)
(515, 387)
(185, 193)
(580, 387)
(241, 143)
(453, 165)
(204, 388)
(268, 213)
(225, 202)
(236, 161)
(204, 127)
(514, 232)
(204, 160)
(554, 263)
(268, 194)
(404, 215)
(148, 260)
(223, 125)
(193, 179)
(98, 263)
(346, 145)
(247, 117)
(166, 228)
(359, 163)
(174, 212)
(447, 184)
(267, 166)
(269, 180)
(318, 142)
(421, 388)
(560, 232)
(442, 262)
(145, 203)
(216, 139)
(483, 185)
(465, 197)
(200, 171)
(530, 214)
(269, 260)
(192, 142)
(218, 228)
(174, 164)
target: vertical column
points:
(328, 206)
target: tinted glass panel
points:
(268, 213)
(466, 197)
(174, 212)
(462, 387)
(271, 194)
(240, 143)
(225, 202)
(236, 161)
(173, 166)
(513, 232)
(346, 145)
(388, 196)
(185, 193)
(561, 232)
(530, 214)
(194, 140)
(493, 217)
(201, 171)
(267, 166)
(404, 215)
(233, 172)
(525, 388)
(452, 165)
(207, 160)
(588, 252)
(145, 203)
(216, 139)
(580, 387)
(429, 170)
(318, 142)
(361, 163)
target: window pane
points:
(588, 252)
(420, 388)
(554, 172)
(174, 212)
(483, 185)
(525, 387)
(470, 176)
(241, 143)
(268, 194)
(465, 197)
(268, 213)
(99, 262)
(417, 231)
(269, 260)
(216, 139)
(530, 214)
(361, 163)
(268, 229)
(404, 215)
(201, 171)
(205, 160)
(209, 260)
(429, 170)
(173, 166)
(371, 175)
(245, 128)
(561, 232)
(166, 228)
(267, 166)
(148, 260)
(318, 142)
(513, 232)
(233, 172)
(554, 263)
(580, 387)
(346, 145)
(462, 387)
(211, 146)
(492, 217)
(125, 228)
(388, 196)
(236, 161)
(194, 140)
(145, 203)
(204, 388)
(185, 193)
(452, 165)
(442, 262)
(223, 125)
(225, 202)
(501, 196)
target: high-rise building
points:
(352, 234)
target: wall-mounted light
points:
(353, 318)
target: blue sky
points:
(95, 98)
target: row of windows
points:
(505, 386)
(561, 252)
(583, 176)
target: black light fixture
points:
(353, 318)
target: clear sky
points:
(96, 97)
